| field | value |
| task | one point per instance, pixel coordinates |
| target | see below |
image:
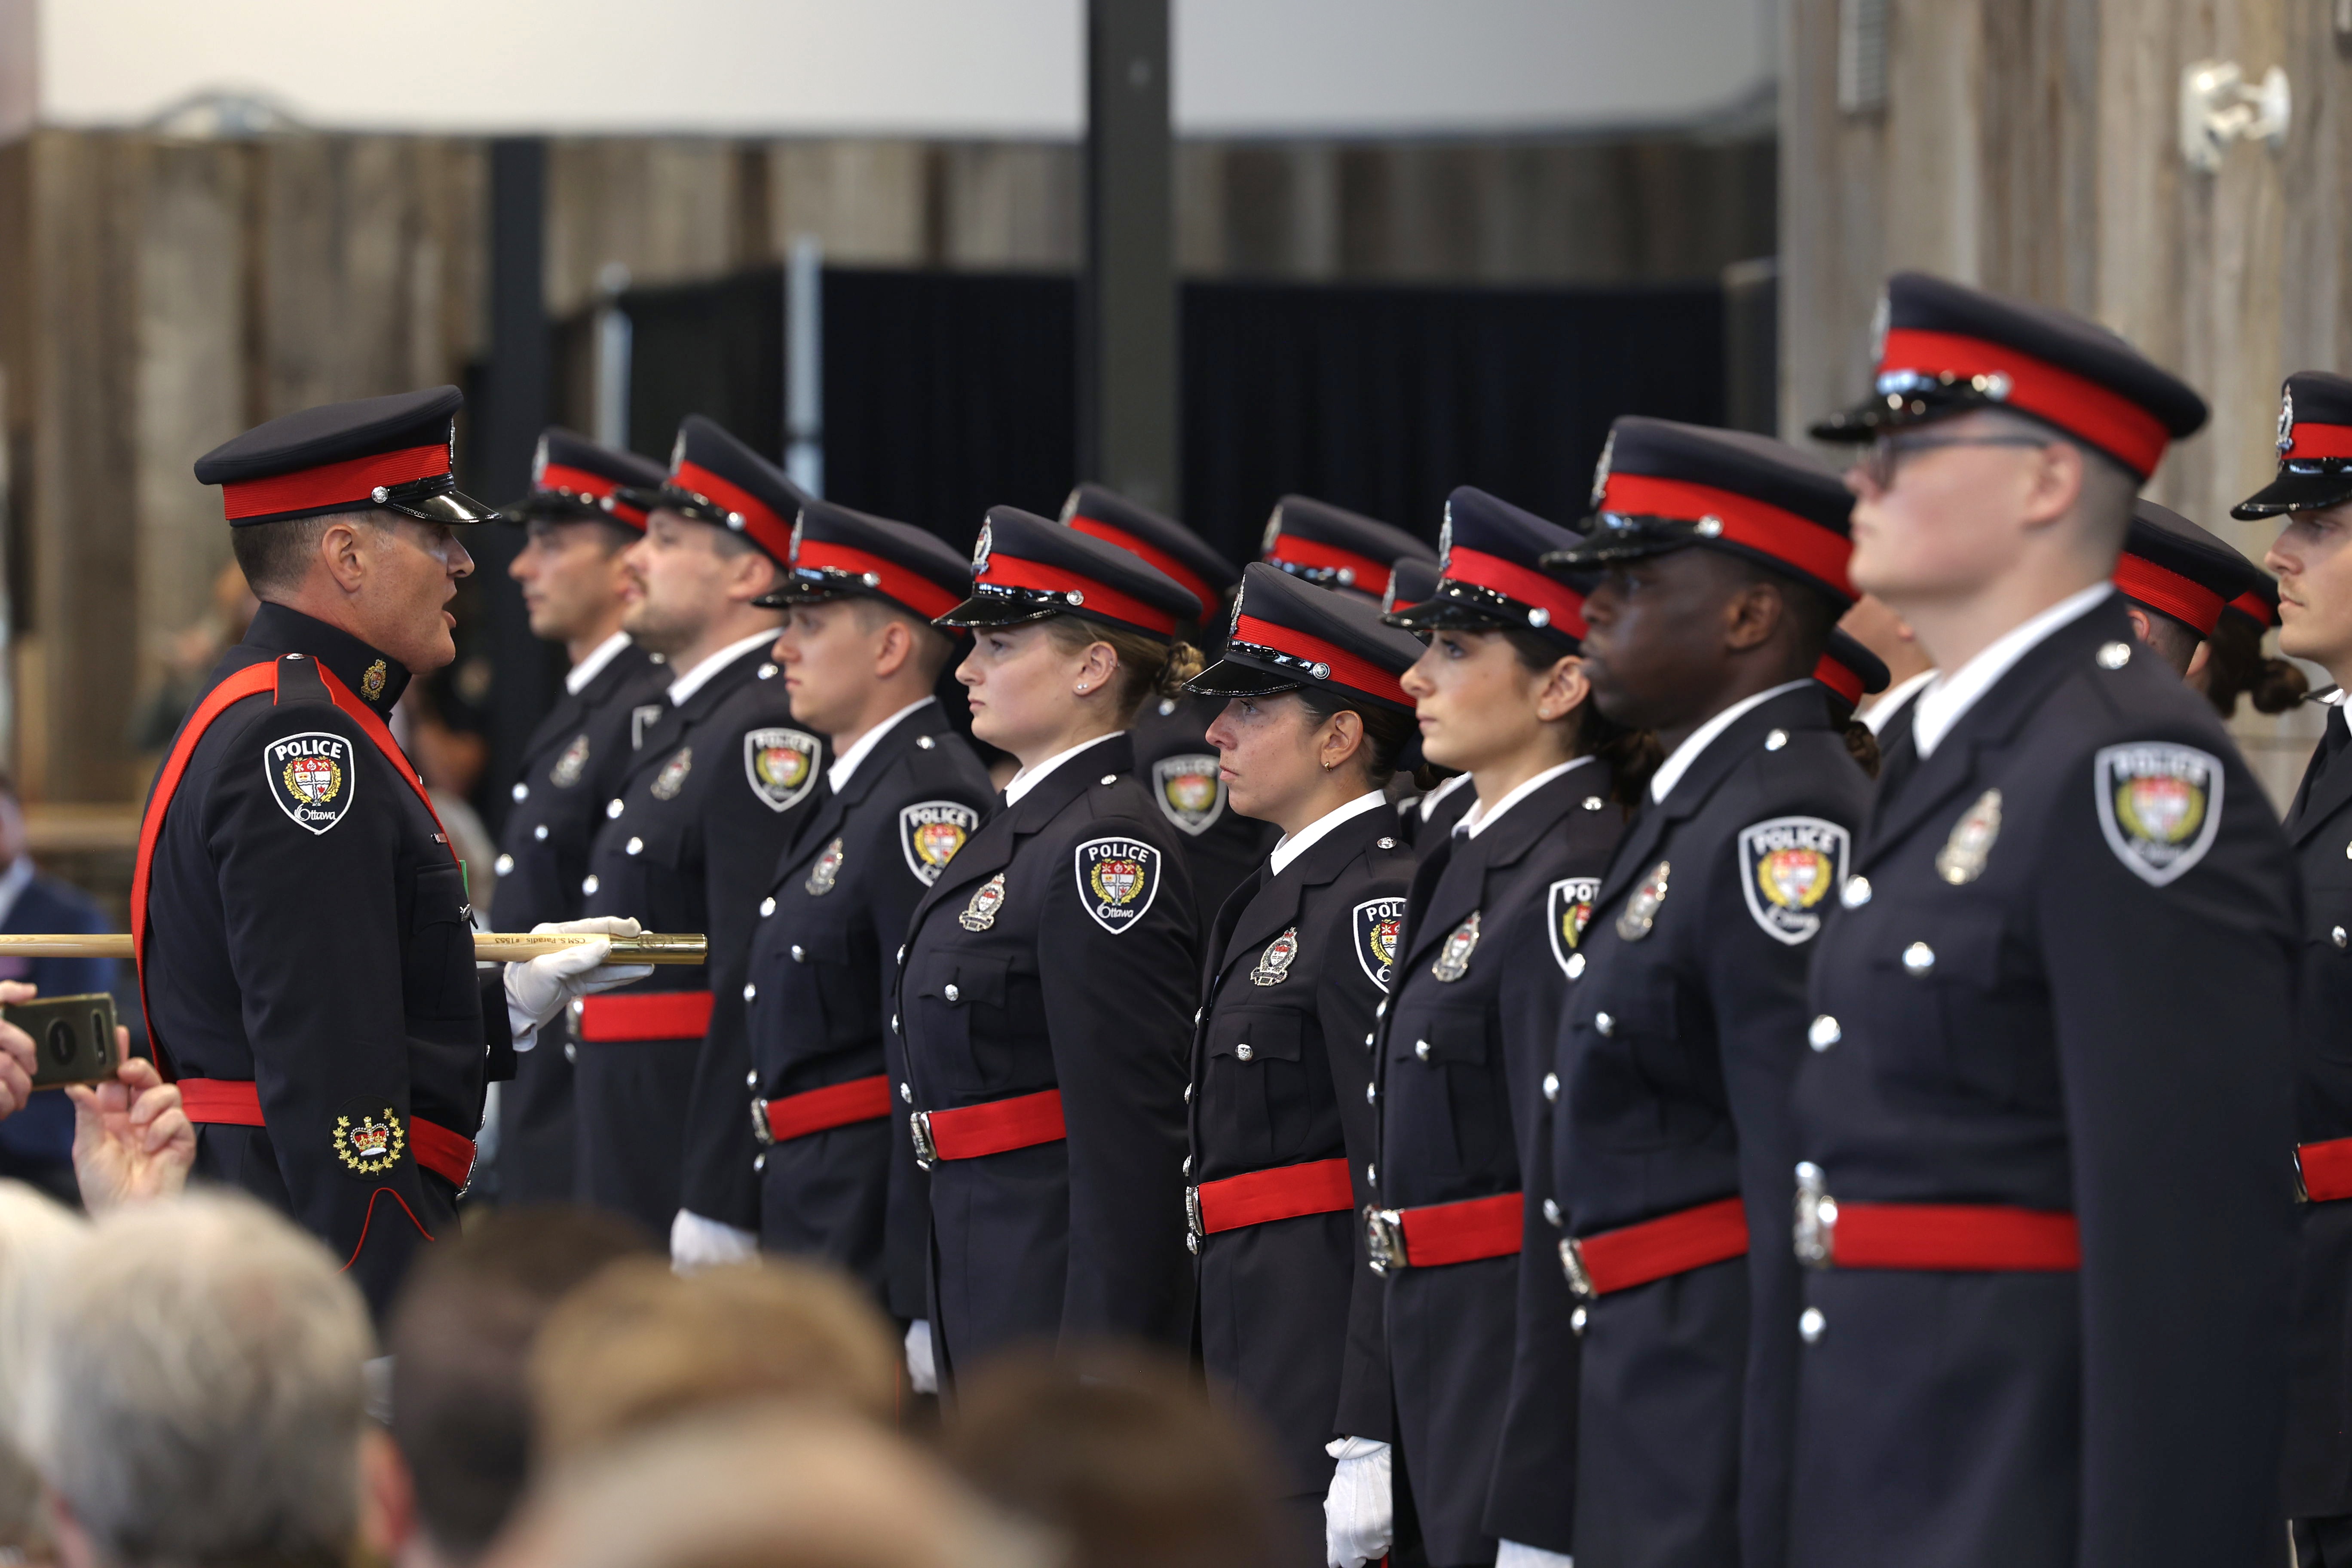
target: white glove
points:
(1511, 1554)
(922, 1371)
(539, 988)
(1358, 1516)
(696, 1242)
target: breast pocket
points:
(1645, 1067)
(1256, 1084)
(437, 955)
(1963, 1026)
(960, 1016)
(1447, 1108)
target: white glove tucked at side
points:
(697, 1241)
(1358, 1516)
(1512, 1554)
(922, 1368)
(539, 988)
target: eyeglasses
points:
(1885, 454)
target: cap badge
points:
(1569, 911)
(980, 552)
(781, 766)
(310, 777)
(2159, 806)
(1273, 963)
(1273, 532)
(931, 832)
(1791, 864)
(1118, 879)
(1378, 924)
(1601, 470)
(1882, 316)
(981, 912)
(826, 872)
(1446, 540)
(793, 551)
(371, 683)
(1453, 956)
(570, 764)
(539, 463)
(1962, 859)
(368, 1138)
(1642, 911)
(672, 777)
(1189, 791)
(2286, 421)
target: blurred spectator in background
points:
(460, 1337)
(639, 1345)
(34, 1232)
(189, 657)
(1119, 1452)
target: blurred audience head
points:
(460, 1337)
(1119, 1453)
(194, 1392)
(763, 1485)
(35, 1231)
(639, 1345)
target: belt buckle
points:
(1385, 1239)
(1194, 1233)
(761, 1133)
(1571, 1263)
(927, 1154)
(2301, 1193)
(1816, 1229)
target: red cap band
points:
(1758, 525)
(353, 482)
(1098, 529)
(1346, 668)
(2160, 589)
(2106, 419)
(769, 532)
(912, 589)
(595, 487)
(1512, 580)
(1840, 680)
(2255, 606)
(1011, 572)
(1288, 550)
(2310, 442)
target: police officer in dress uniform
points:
(582, 512)
(2177, 579)
(1686, 1013)
(2313, 556)
(1849, 672)
(2043, 1116)
(1173, 755)
(686, 843)
(1431, 814)
(828, 1097)
(300, 920)
(1051, 970)
(1282, 1115)
(1483, 1379)
(1332, 547)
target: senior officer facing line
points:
(2052, 1013)
(300, 920)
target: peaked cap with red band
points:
(1663, 487)
(1286, 633)
(1948, 348)
(392, 452)
(837, 553)
(2258, 604)
(2315, 449)
(1025, 568)
(1334, 548)
(1850, 670)
(1488, 574)
(1410, 580)
(2174, 567)
(572, 480)
(714, 479)
(1172, 548)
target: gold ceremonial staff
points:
(489, 947)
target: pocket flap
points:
(961, 979)
(1269, 1034)
(1445, 1034)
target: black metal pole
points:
(1127, 312)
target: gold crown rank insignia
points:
(368, 1138)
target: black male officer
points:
(581, 513)
(1725, 557)
(300, 920)
(827, 1093)
(686, 843)
(2177, 579)
(1332, 547)
(2044, 1114)
(1172, 756)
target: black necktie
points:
(2332, 742)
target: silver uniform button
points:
(2339, 935)
(1371, 1175)
(503, 863)
(902, 955)
(1110, 778)
(570, 1052)
(540, 833)
(1776, 740)
(522, 792)
(1551, 1086)
(1809, 1322)
(1576, 1320)
(752, 1079)
(637, 846)
(2111, 656)
(1856, 892)
(905, 1094)
(612, 807)
(749, 991)
(759, 1163)
(1551, 1210)
(1604, 1022)
(767, 672)
(800, 953)
(1576, 966)
(1187, 1167)
(1372, 1093)
(894, 1023)
(1380, 1008)
(951, 992)
(1242, 1053)
(1420, 1049)
(924, 742)
(1593, 802)
(1188, 1094)
(1367, 1042)
(590, 884)
(1824, 1032)
(767, 908)
(1918, 958)
(1383, 843)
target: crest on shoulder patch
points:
(1566, 910)
(1379, 926)
(368, 1138)
(312, 777)
(570, 764)
(931, 832)
(781, 766)
(1788, 867)
(1118, 879)
(1189, 791)
(2159, 805)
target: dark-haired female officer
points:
(1046, 992)
(1298, 959)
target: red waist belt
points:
(236, 1102)
(2323, 1171)
(1957, 1237)
(646, 1016)
(971, 1130)
(821, 1109)
(1439, 1234)
(1260, 1197)
(1654, 1249)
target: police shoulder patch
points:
(312, 778)
(1566, 910)
(1118, 879)
(1189, 791)
(1379, 925)
(2159, 805)
(369, 1137)
(931, 832)
(1788, 869)
(781, 766)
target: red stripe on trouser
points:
(836, 1105)
(2327, 1168)
(1960, 1237)
(646, 1015)
(1659, 1249)
(236, 1102)
(1463, 1232)
(971, 1130)
(1287, 1192)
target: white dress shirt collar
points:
(576, 679)
(845, 764)
(1446, 786)
(1292, 845)
(1478, 818)
(1950, 696)
(1882, 706)
(1028, 779)
(1678, 762)
(695, 679)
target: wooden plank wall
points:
(2030, 146)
